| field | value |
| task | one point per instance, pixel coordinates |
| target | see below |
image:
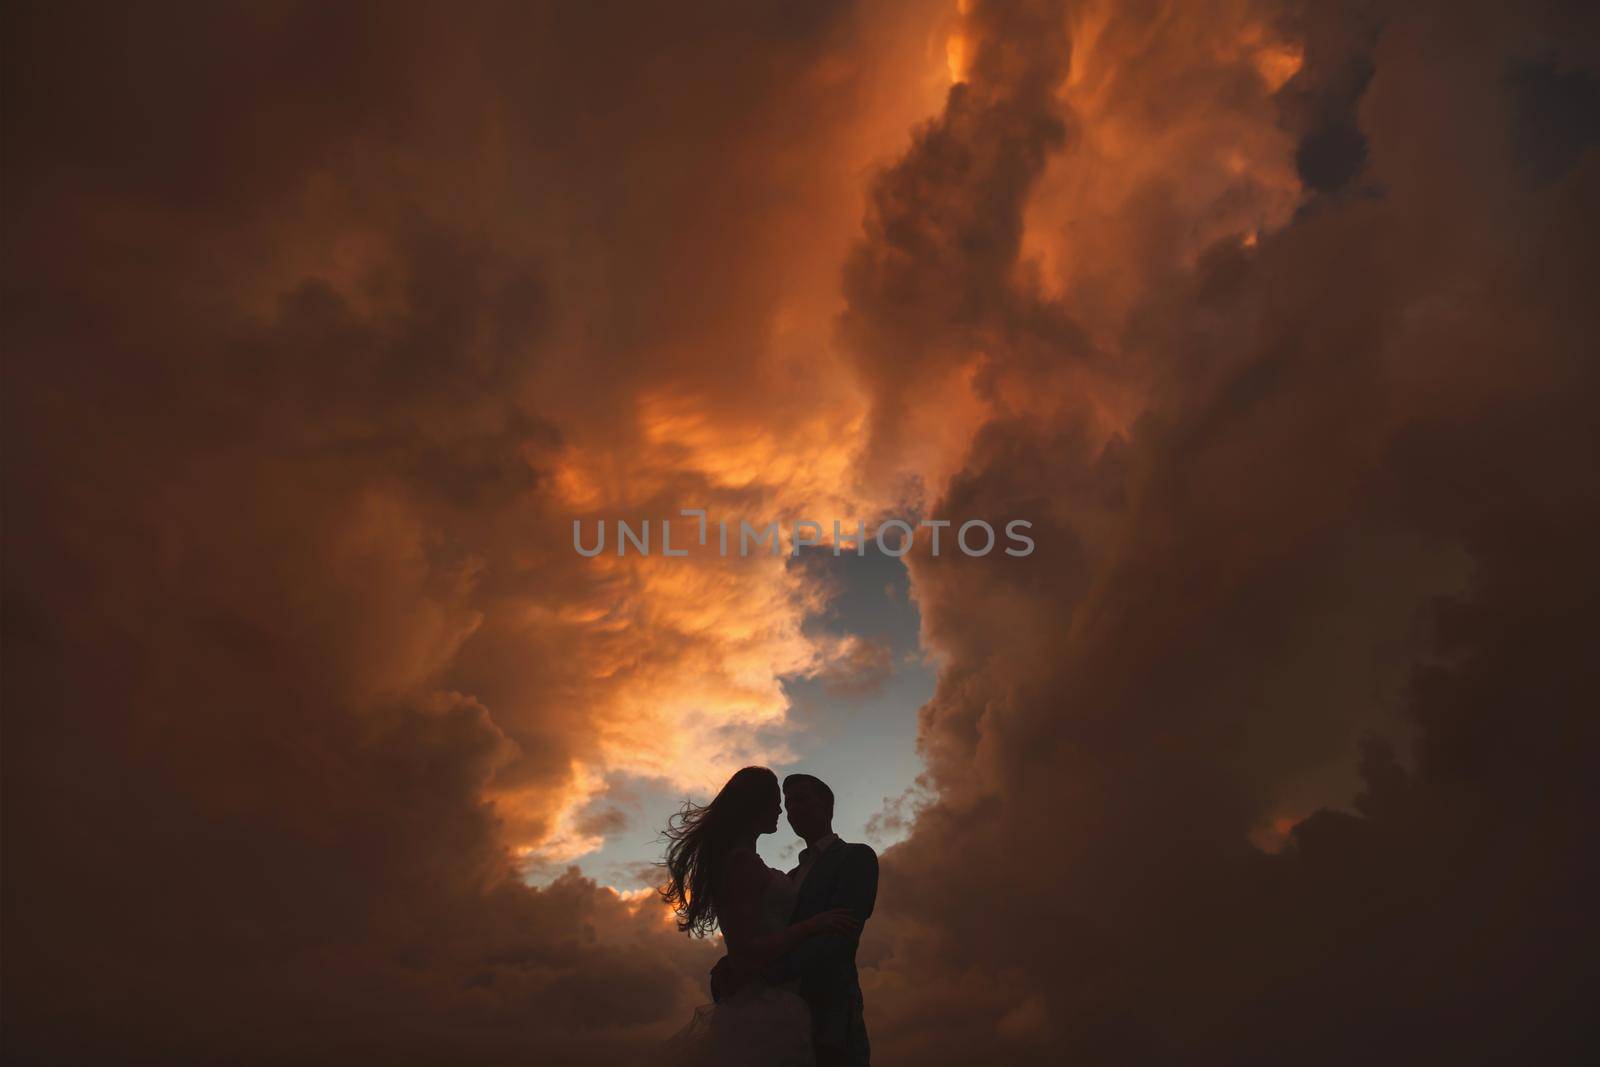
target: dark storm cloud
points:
(1364, 464)
(293, 295)
(1320, 102)
(931, 283)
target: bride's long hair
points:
(699, 838)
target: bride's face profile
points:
(767, 820)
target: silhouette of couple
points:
(787, 993)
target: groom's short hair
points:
(816, 783)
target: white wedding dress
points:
(761, 1025)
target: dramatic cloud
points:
(1352, 493)
(324, 324)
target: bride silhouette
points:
(715, 878)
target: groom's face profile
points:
(807, 810)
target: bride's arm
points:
(739, 909)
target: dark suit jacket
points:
(845, 876)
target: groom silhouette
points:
(831, 874)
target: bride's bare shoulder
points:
(743, 864)
(742, 873)
(742, 861)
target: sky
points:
(854, 728)
(323, 324)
